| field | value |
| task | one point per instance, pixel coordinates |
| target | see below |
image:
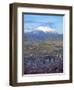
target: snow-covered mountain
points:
(37, 35)
(45, 29)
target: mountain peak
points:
(45, 29)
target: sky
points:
(46, 23)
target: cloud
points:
(45, 29)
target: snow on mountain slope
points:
(45, 29)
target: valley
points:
(45, 56)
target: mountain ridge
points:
(41, 35)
